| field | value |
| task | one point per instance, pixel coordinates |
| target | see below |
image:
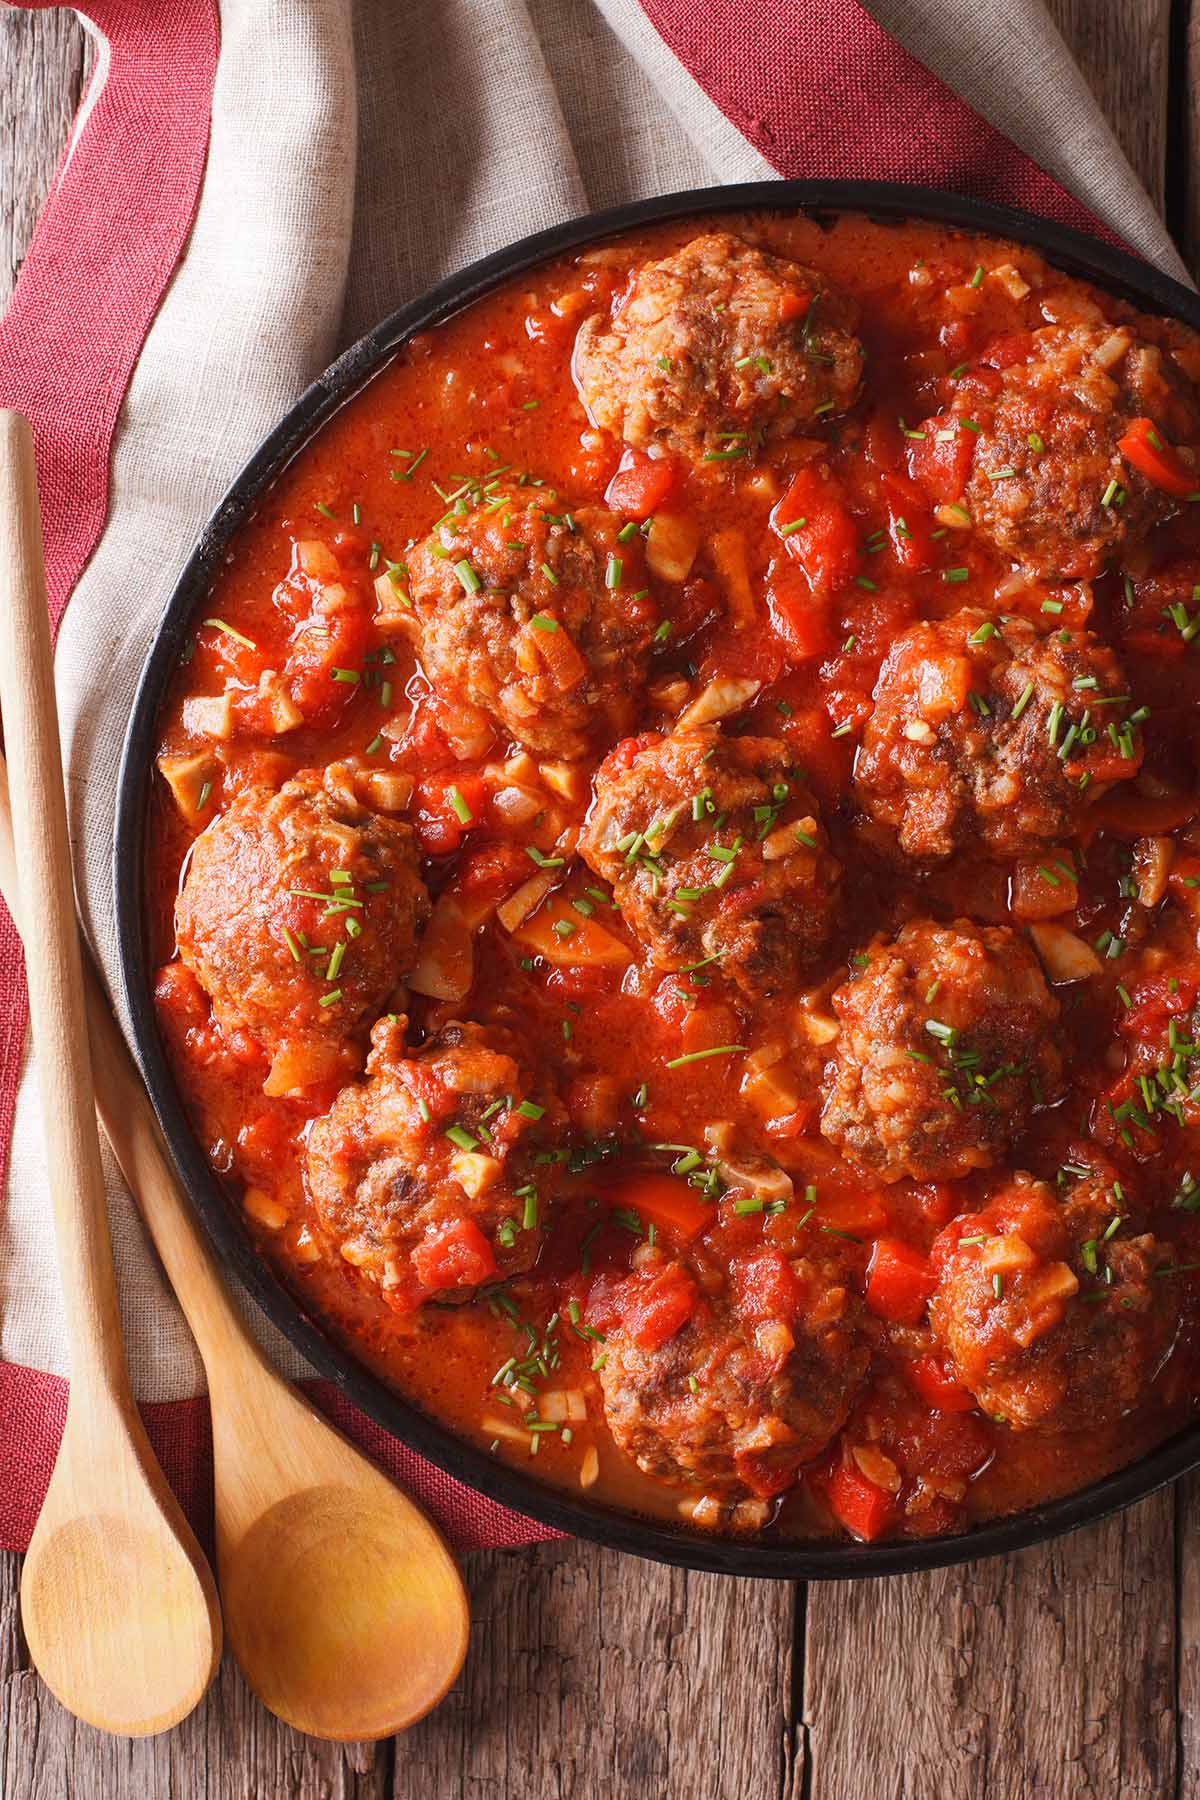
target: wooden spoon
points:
(118, 1603)
(342, 1603)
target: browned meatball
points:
(945, 1049)
(425, 1173)
(717, 348)
(733, 1383)
(1052, 1325)
(992, 734)
(714, 850)
(535, 621)
(299, 914)
(1048, 485)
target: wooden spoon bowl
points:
(341, 1619)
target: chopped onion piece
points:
(445, 966)
(721, 698)
(1065, 957)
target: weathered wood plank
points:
(1123, 51)
(592, 1674)
(44, 57)
(1047, 1673)
(1189, 147)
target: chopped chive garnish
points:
(462, 811)
(694, 1056)
(229, 632)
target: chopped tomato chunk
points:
(764, 1286)
(456, 1256)
(899, 1283)
(447, 805)
(651, 1305)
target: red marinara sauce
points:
(676, 875)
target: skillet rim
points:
(1107, 267)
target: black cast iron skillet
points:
(1080, 256)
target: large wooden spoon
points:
(342, 1603)
(118, 1603)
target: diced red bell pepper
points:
(910, 526)
(936, 1387)
(666, 1202)
(803, 623)
(864, 1509)
(640, 484)
(857, 1210)
(1148, 451)
(899, 1282)
(457, 1256)
(764, 1286)
(825, 544)
(941, 461)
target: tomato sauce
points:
(804, 571)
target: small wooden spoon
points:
(118, 1603)
(342, 1604)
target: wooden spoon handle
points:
(47, 890)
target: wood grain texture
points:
(1047, 1673)
(593, 1674)
(44, 57)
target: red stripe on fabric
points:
(105, 248)
(823, 92)
(33, 1409)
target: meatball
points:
(1049, 486)
(537, 622)
(733, 1384)
(714, 850)
(992, 734)
(1050, 1324)
(299, 915)
(425, 1174)
(944, 1051)
(716, 349)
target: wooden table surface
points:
(1073, 1669)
